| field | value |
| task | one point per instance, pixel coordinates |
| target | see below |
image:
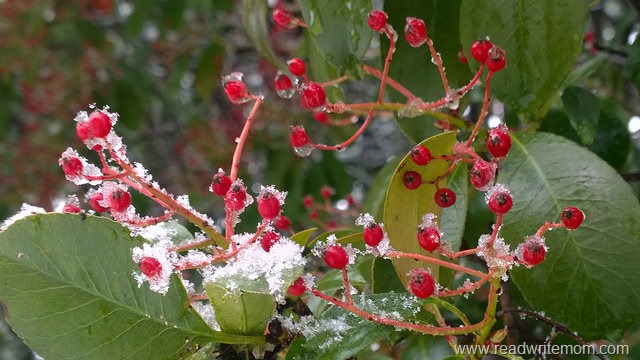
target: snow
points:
(25, 210)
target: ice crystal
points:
(158, 251)
(207, 313)
(496, 256)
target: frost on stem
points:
(158, 280)
(498, 255)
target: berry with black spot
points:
(420, 155)
(445, 197)
(373, 234)
(572, 217)
(422, 284)
(412, 180)
(429, 238)
(499, 141)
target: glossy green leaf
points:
(612, 141)
(302, 238)
(340, 31)
(404, 208)
(254, 19)
(374, 201)
(453, 219)
(68, 287)
(542, 40)
(385, 278)
(583, 110)
(588, 280)
(241, 312)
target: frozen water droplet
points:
(286, 94)
(303, 151)
(409, 111)
(19, 256)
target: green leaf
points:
(588, 280)
(339, 31)
(241, 312)
(632, 67)
(542, 40)
(412, 67)
(254, 20)
(404, 208)
(452, 222)
(427, 347)
(612, 140)
(208, 69)
(583, 109)
(69, 290)
(338, 334)
(374, 201)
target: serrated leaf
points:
(241, 312)
(254, 20)
(588, 280)
(339, 30)
(404, 208)
(542, 40)
(584, 110)
(69, 290)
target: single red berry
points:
(235, 198)
(72, 166)
(83, 130)
(296, 66)
(99, 124)
(500, 202)
(326, 192)
(119, 200)
(422, 284)
(482, 175)
(282, 222)
(268, 239)
(297, 288)
(282, 18)
(94, 202)
(499, 141)
(332, 225)
(480, 50)
(412, 180)
(420, 155)
(314, 215)
(415, 31)
(572, 217)
(533, 251)
(462, 57)
(445, 197)
(496, 59)
(150, 266)
(282, 82)
(321, 117)
(336, 257)
(307, 201)
(377, 20)
(220, 183)
(268, 205)
(236, 91)
(298, 136)
(70, 209)
(428, 238)
(373, 234)
(313, 96)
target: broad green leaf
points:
(338, 334)
(404, 208)
(374, 201)
(612, 141)
(254, 19)
(302, 238)
(557, 122)
(241, 312)
(208, 69)
(385, 278)
(427, 347)
(68, 287)
(453, 218)
(588, 280)
(542, 40)
(339, 30)
(412, 67)
(583, 110)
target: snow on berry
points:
(375, 237)
(282, 18)
(269, 201)
(482, 174)
(415, 31)
(532, 251)
(76, 168)
(499, 141)
(157, 266)
(236, 199)
(422, 283)
(95, 129)
(496, 256)
(330, 245)
(267, 239)
(499, 199)
(96, 201)
(71, 205)
(572, 217)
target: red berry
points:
(321, 117)
(350, 200)
(235, 198)
(482, 174)
(412, 180)
(220, 183)
(70, 209)
(119, 200)
(445, 197)
(480, 50)
(377, 20)
(282, 222)
(326, 191)
(429, 238)
(533, 251)
(150, 266)
(314, 215)
(421, 155)
(83, 130)
(422, 284)
(373, 234)
(94, 202)
(462, 57)
(282, 18)
(236, 91)
(72, 166)
(298, 136)
(99, 124)
(313, 96)
(336, 257)
(496, 59)
(297, 288)
(297, 67)
(268, 239)
(499, 141)
(500, 200)
(572, 217)
(307, 201)
(282, 82)
(268, 205)
(415, 31)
